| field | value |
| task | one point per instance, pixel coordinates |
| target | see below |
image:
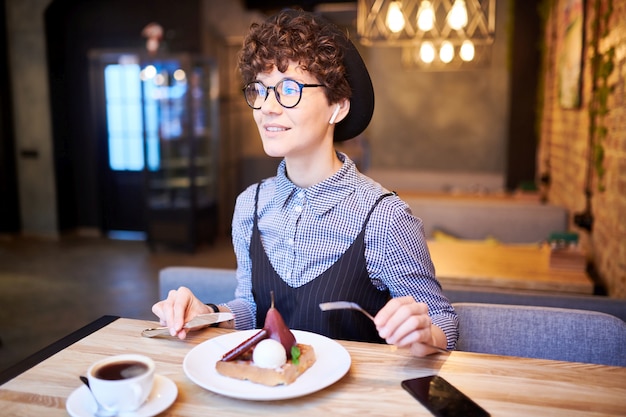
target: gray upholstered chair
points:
(613, 306)
(539, 332)
(542, 332)
(211, 285)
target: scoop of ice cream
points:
(269, 353)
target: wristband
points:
(215, 310)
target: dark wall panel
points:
(9, 201)
(73, 28)
(526, 57)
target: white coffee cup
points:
(123, 382)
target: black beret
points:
(362, 99)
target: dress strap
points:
(256, 204)
(367, 218)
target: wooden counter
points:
(479, 265)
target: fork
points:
(348, 305)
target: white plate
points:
(332, 363)
(81, 403)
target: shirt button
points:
(297, 209)
(290, 242)
(300, 194)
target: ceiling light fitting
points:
(435, 34)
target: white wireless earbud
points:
(334, 116)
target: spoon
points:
(102, 411)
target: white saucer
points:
(80, 403)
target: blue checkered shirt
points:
(305, 230)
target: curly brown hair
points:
(316, 45)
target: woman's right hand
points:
(178, 308)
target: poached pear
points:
(274, 328)
(277, 328)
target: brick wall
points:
(564, 147)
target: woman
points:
(319, 230)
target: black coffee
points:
(121, 370)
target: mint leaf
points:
(295, 355)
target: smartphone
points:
(441, 398)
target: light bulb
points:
(426, 16)
(148, 72)
(446, 53)
(159, 79)
(179, 75)
(395, 19)
(457, 17)
(467, 51)
(427, 52)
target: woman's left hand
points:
(405, 323)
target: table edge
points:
(55, 347)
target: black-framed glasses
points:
(288, 92)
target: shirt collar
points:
(324, 195)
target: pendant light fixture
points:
(433, 34)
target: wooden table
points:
(486, 266)
(505, 386)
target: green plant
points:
(602, 66)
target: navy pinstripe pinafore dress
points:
(346, 280)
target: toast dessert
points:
(244, 368)
(270, 357)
